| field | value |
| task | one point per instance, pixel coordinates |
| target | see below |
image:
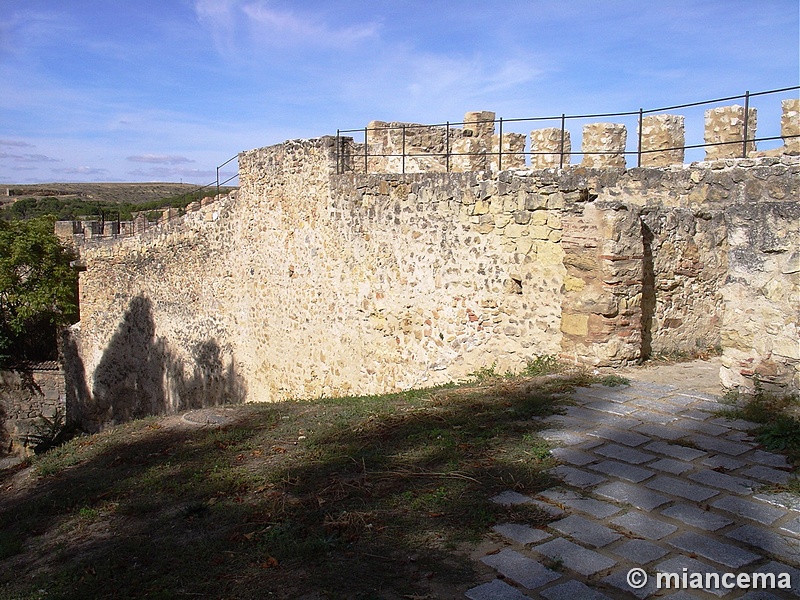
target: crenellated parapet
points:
(481, 144)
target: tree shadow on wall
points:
(139, 375)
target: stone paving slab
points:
(651, 478)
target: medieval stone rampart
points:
(310, 283)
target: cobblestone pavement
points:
(651, 478)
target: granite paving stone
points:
(509, 498)
(576, 477)
(629, 455)
(792, 527)
(757, 511)
(723, 462)
(739, 424)
(586, 531)
(619, 580)
(777, 569)
(519, 568)
(782, 499)
(640, 552)
(670, 465)
(680, 564)
(654, 417)
(572, 590)
(769, 459)
(727, 555)
(574, 557)
(622, 470)
(713, 444)
(737, 485)
(768, 474)
(628, 438)
(679, 487)
(632, 494)
(591, 506)
(495, 590)
(701, 427)
(644, 526)
(660, 431)
(675, 450)
(653, 477)
(696, 517)
(614, 408)
(572, 456)
(522, 534)
(784, 547)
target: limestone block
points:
(468, 154)
(663, 138)
(480, 124)
(513, 149)
(724, 128)
(575, 324)
(790, 125)
(547, 149)
(608, 140)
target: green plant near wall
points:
(38, 289)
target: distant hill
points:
(117, 193)
(70, 201)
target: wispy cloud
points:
(16, 144)
(87, 171)
(170, 173)
(260, 23)
(284, 28)
(164, 159)
(28, 158)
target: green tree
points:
(38, 289)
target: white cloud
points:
(16, 143)
(28, 158)
(161, 159)
(285, 28)
(256, 23)
(90, 171)
(170, 173)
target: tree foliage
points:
(38, 289)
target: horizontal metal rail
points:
(563, 118)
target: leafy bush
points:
(38, 289)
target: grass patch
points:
(776, 414)
(355, 497)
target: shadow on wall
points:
(5, 436)
(648, 292)
(139, 375)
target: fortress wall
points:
(309, 283)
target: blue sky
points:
(114, 90)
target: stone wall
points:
(26, 394)
(310, 283)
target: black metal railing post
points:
(366, 151)
(338, 154)
(500, 147)
(403, 129)
(447, 147)
(639, 148)
(563, 136)
(746, 115)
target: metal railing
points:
(448, 126)
(116, 225)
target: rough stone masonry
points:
(311, 281)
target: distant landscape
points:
(68, 201)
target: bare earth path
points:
(652, 479)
